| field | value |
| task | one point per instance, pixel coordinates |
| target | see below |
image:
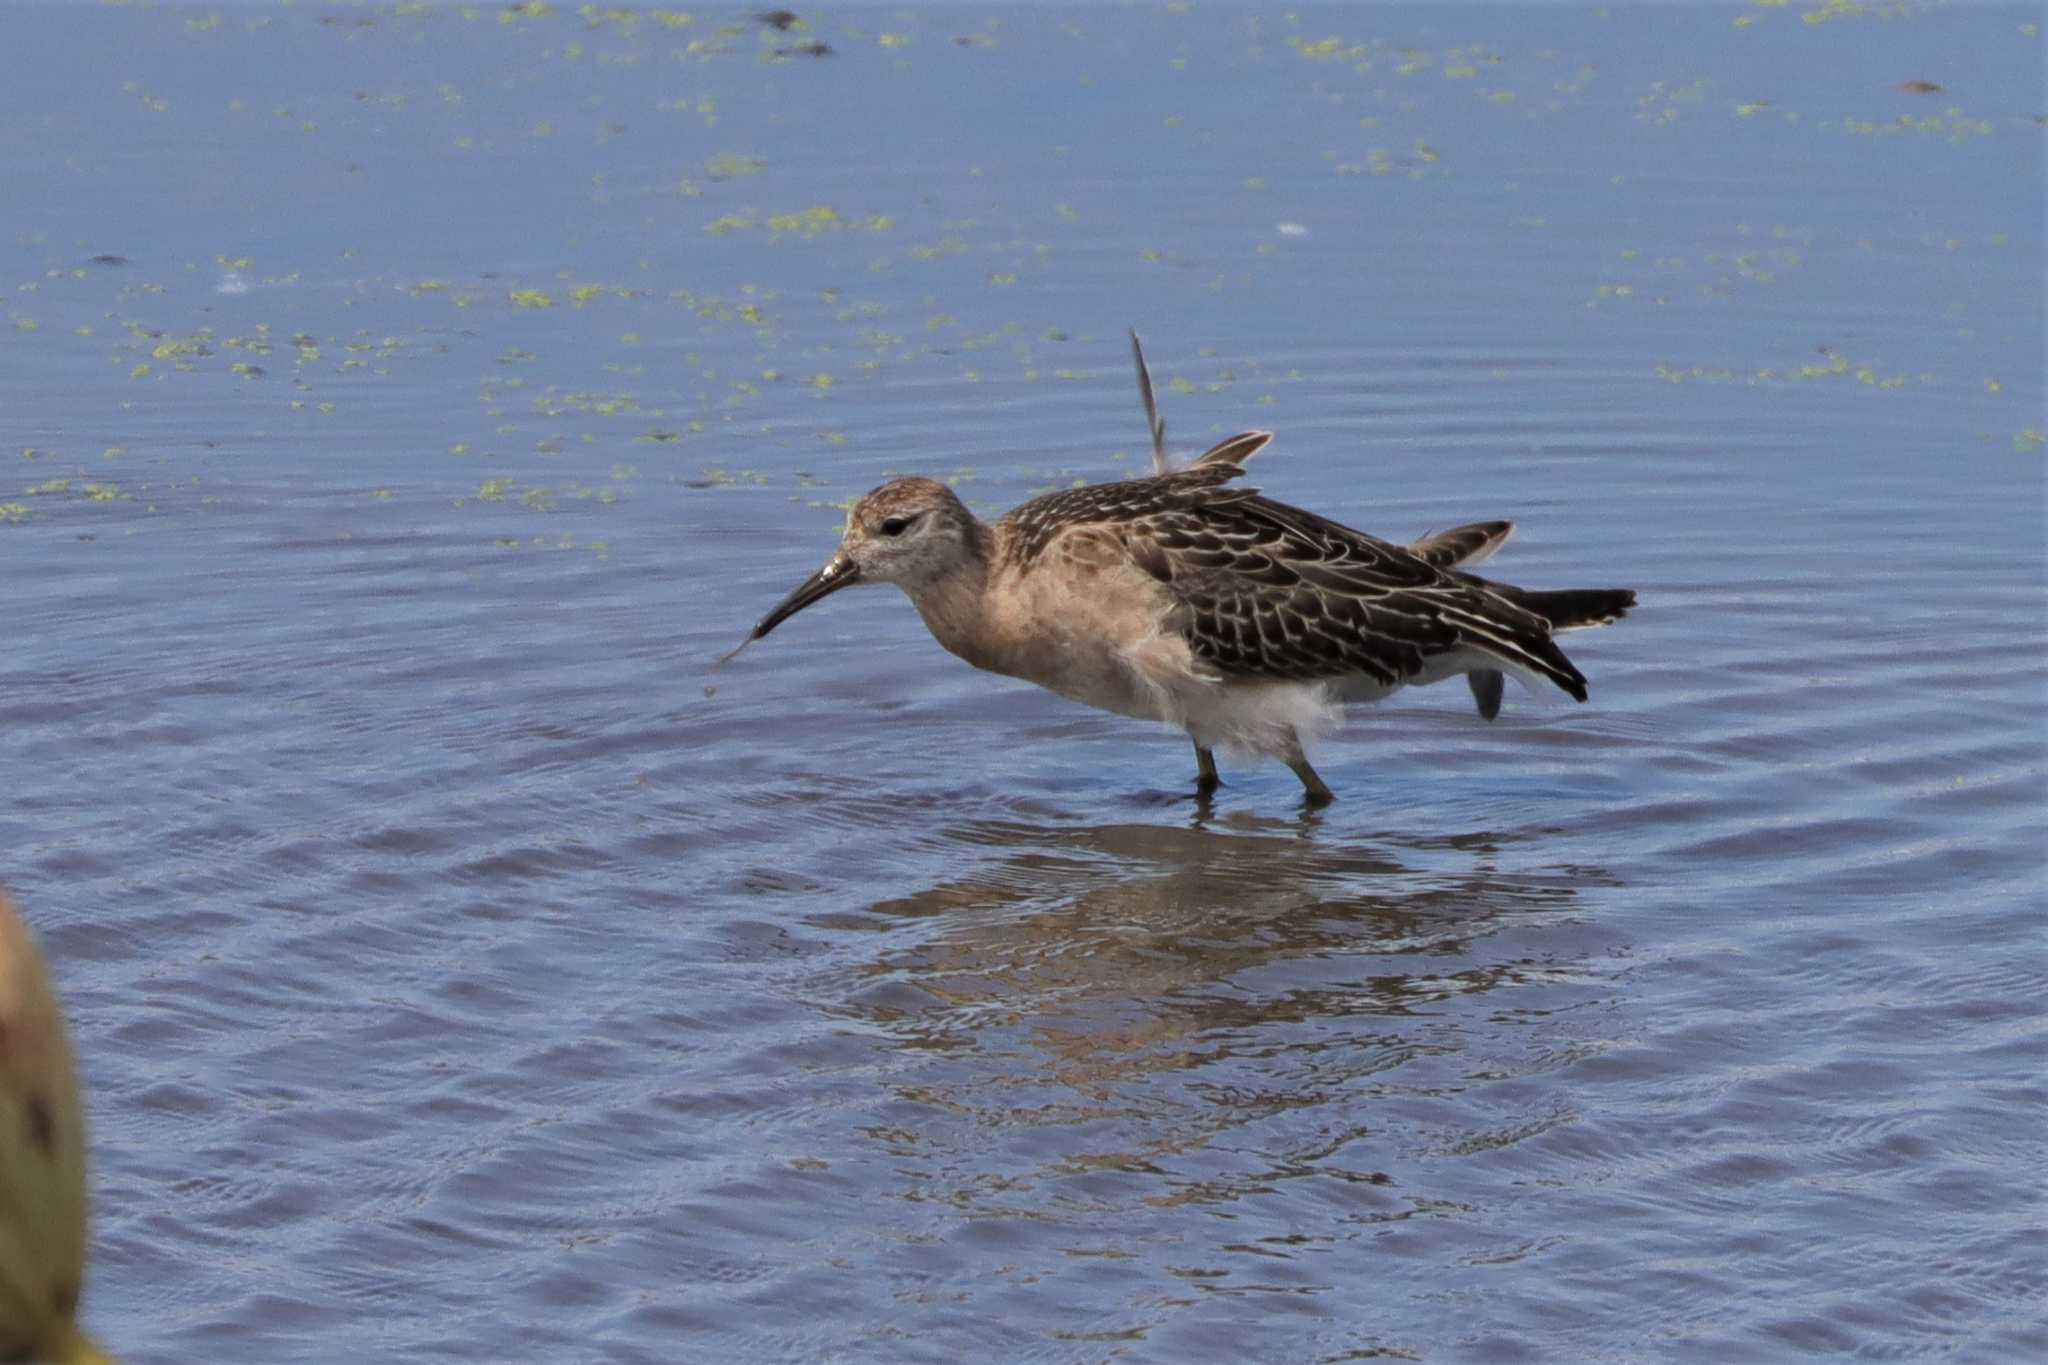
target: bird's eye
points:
(895, 526)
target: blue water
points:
(405, 405)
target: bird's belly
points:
(1357, 687)
(1094, 674)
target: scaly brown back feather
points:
(1270, 591)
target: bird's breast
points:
(1088, 633)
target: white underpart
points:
(1270, 718)
(1455, 662)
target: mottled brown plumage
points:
(1274, 592)
(1189, 598)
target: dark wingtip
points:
(1487, 684)
(1578, 608)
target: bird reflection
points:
(1113, 945)
(1099, 1026)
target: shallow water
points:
(406, 405)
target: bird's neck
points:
(955, 605)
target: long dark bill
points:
(838, 573)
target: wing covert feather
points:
(1275, 592)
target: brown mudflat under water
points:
(461, 969)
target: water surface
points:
(406, 404)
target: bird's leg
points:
(1206, 781)
(1313, 788)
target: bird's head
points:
(907, 532)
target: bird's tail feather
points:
(1576, 608)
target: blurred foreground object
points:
(42, 1163)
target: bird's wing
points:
(1029, 530)
(1461, 547)
(1275, 592)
